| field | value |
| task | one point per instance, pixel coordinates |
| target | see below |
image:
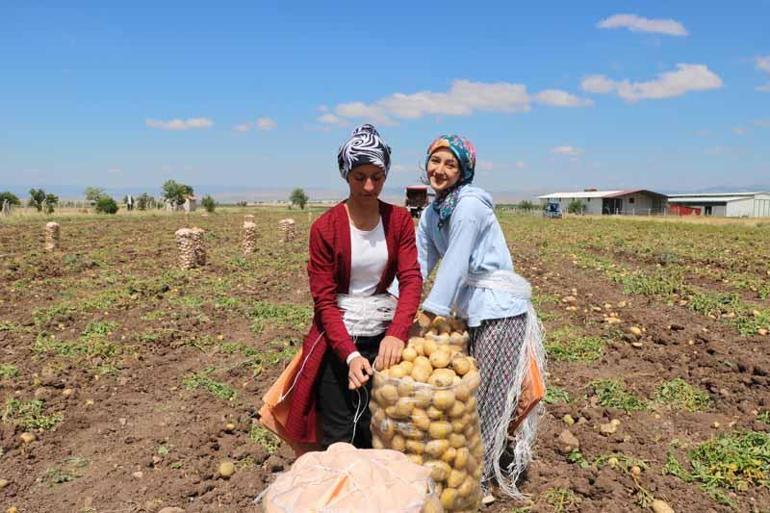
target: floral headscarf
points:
(465, 153)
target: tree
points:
(94, 193)
(144, 201)
(576, 207)
(11, 197)
(36, 198)
(208, 203)
(50, 202)
(106, 205)
(298, 197)
(527, 205)
(176, 192)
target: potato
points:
(408, 354)
(441, 339)
(378, 414)
(432, 505)
(470, 430)
(458, 426)
(423, 396)
(472, 379)
(404, 407)
(457, 324)
(423, 361)
(434, 413)
(439, 429)
(456, 478)
(441, 324)
(415, 447)
(467, 487)
(457, 441)
(439, 470)
(418, 344)
(471, 465)
(429, 347)
(397, 371)
(461, 365)
(410, 431)
(405, 386)
(457, 410)
(388, 395)
(477, 472)
(443, 399)
(420, 419)
(435, 448)
(462, 393)
(470, 405)
(398, 443)
(386, 429)
(377, 443)
(456, 350)
(439, 359)
(448, 498)
(449, 455)
(477, 451)
(441, 377)
(461, 459)
(416, 459)
(456, 338)
(421, 373)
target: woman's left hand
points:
(390, 352)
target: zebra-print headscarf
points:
(365, 146)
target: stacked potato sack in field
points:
(249, 237)
(426, 407)
(191, 250)
(52, 236)
(288, 228)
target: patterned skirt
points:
(496, 346)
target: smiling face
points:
(366, 183)
(443, 170)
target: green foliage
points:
(145, 201)
(8, 371)
(612, 394)
(556, 395)
(12, 198)
(562, 500)
(679, 394)
(202, 380)
(176, 192)
(106, 205)
(764, 417)
(564, 345)
(265, 313)
(68, 471)
(298, 197)
(94, 194)
(208, 203)
(527, 205)
(36, 199)
(576, 207)
(265, 438)
(29, 414)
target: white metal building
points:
(628, 202)
(725, 204)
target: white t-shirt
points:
(368, 258)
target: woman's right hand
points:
(359, 371)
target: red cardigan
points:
(329, 274)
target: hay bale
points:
(52, 236)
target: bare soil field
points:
(125, 381)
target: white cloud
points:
(686, 78)
(520, 164)
(243, 127)
(463, 98)
(179, 124)
(764, 123)
(265, 123)
(636, 23)
(763, 63)
(570, 151)
(739, 130)
(558, 98)
(763, 88)
(115, 171)
(331, 119)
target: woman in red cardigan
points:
(357, 248)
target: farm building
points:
(627, 202)
(725, 204)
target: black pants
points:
(337, 404)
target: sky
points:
(247, 95)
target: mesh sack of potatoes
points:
(425, 407)
(344, 479)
